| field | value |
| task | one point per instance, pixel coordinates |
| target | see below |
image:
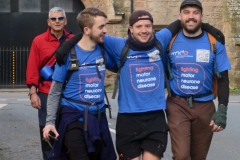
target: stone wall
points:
(231, 28)
(166, 11)
(223, 14)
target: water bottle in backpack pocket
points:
(47, 72)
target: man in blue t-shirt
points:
(83, 131)
(191, 113)
(141, 127)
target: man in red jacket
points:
(41, 55)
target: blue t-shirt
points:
(86, 84)
(192, 65)
(141, 83)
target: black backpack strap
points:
(103, 53)
(74, 65)
(108, 104)
(53, 54)
(159, 47)
(124, 55)
(105, 62)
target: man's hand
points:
(35, 101)
(46, 131)
(62, 52)
(219, 119)
(214, 32)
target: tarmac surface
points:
(19, 135)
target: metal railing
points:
(13, 63)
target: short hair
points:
(86, 17)
(56, 9)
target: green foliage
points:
(109, 88)
(234, 91)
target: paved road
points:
(19, 137)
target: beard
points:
(96, 39)
(192, 30)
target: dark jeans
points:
(42, 114)
(189, 128)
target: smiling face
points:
(98, 30)
(191, 19)
(57, 21)
(142, 30)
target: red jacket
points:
(42, 48)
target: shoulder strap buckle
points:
(74, 64)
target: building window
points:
(29, 6)
(4, 5)
(67, 5)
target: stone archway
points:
(106, 6)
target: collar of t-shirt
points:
(62, 39)
(196, 37)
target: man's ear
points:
(130, 29)
(202, 18)
(86, 30)
(65, 21)
(179, 17)
(48, 22)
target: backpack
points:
(124, 54)
(74, 66)
(217, 75)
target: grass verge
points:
(234, 91)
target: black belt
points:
(179, 97)
(190, 98)
(86, 109)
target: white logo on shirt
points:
(180, 53)
(100, 64)
(202, 55)
(154, 56)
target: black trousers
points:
(42, 114)
(76, 146)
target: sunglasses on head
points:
(55, 18)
